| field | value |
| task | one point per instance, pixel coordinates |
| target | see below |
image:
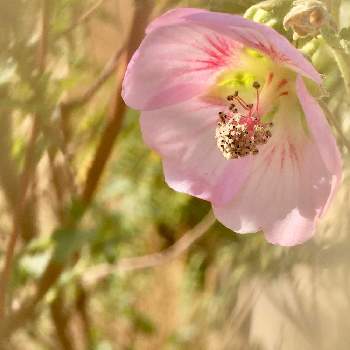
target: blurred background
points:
(96, 252)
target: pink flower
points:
(224, 103)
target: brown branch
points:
(60, 319)
(104, 148)
(103, 152)
(10, 249)
(100, 272)
(82, 308)
(106, 73)
(84, 17)
(43, 43)
(66, 107)
(28, 170)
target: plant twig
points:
(43, 43)
(82, 308)
(333, 120)
(340, 56)
(90, 92)
(28, 171)
(60, 319)
(26, 179)
(100, 272)
(84, 17)
(54, 269)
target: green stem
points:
(340, 56)
(343, 62)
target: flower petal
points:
(269, 193)
(171, 17)
(319, 128)
(257, 36)
(291, 230)
(175, 63)
(184, 135)
(316, 188)
(289, 183)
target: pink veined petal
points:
(175, 16)
(314, 193)
(319, 128)
(289, 183)
(218, 185)
(184, 135)
(291, 230)
(175, 63)
(260, 37)
(251, 34)
(268, 193)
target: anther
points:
(269, 78)
(256, 85)
(282, 83)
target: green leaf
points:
(344, 36)
(141, 321)
(345, 33)
(70, 241)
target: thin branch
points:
(105, 147)
(54, 269)
(82, 308)
(142, 13)
(333, 120)
(98, 273)
(84, 17)
(10, 249)
(341, 57)
(343, 61)
(43, 43)
(60, 319)
(28, 171)
(90, 92)
(65, 108)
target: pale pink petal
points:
(316, 188)
(291, 230)
(175, 63)
(175, 16)
(289, 182)
(319, 129)
(184, 135)
(217, 185)
(255, 35)
(269, 192)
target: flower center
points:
(240, 129)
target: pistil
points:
(239, 133)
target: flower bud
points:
(306, 18)
(269, 12)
